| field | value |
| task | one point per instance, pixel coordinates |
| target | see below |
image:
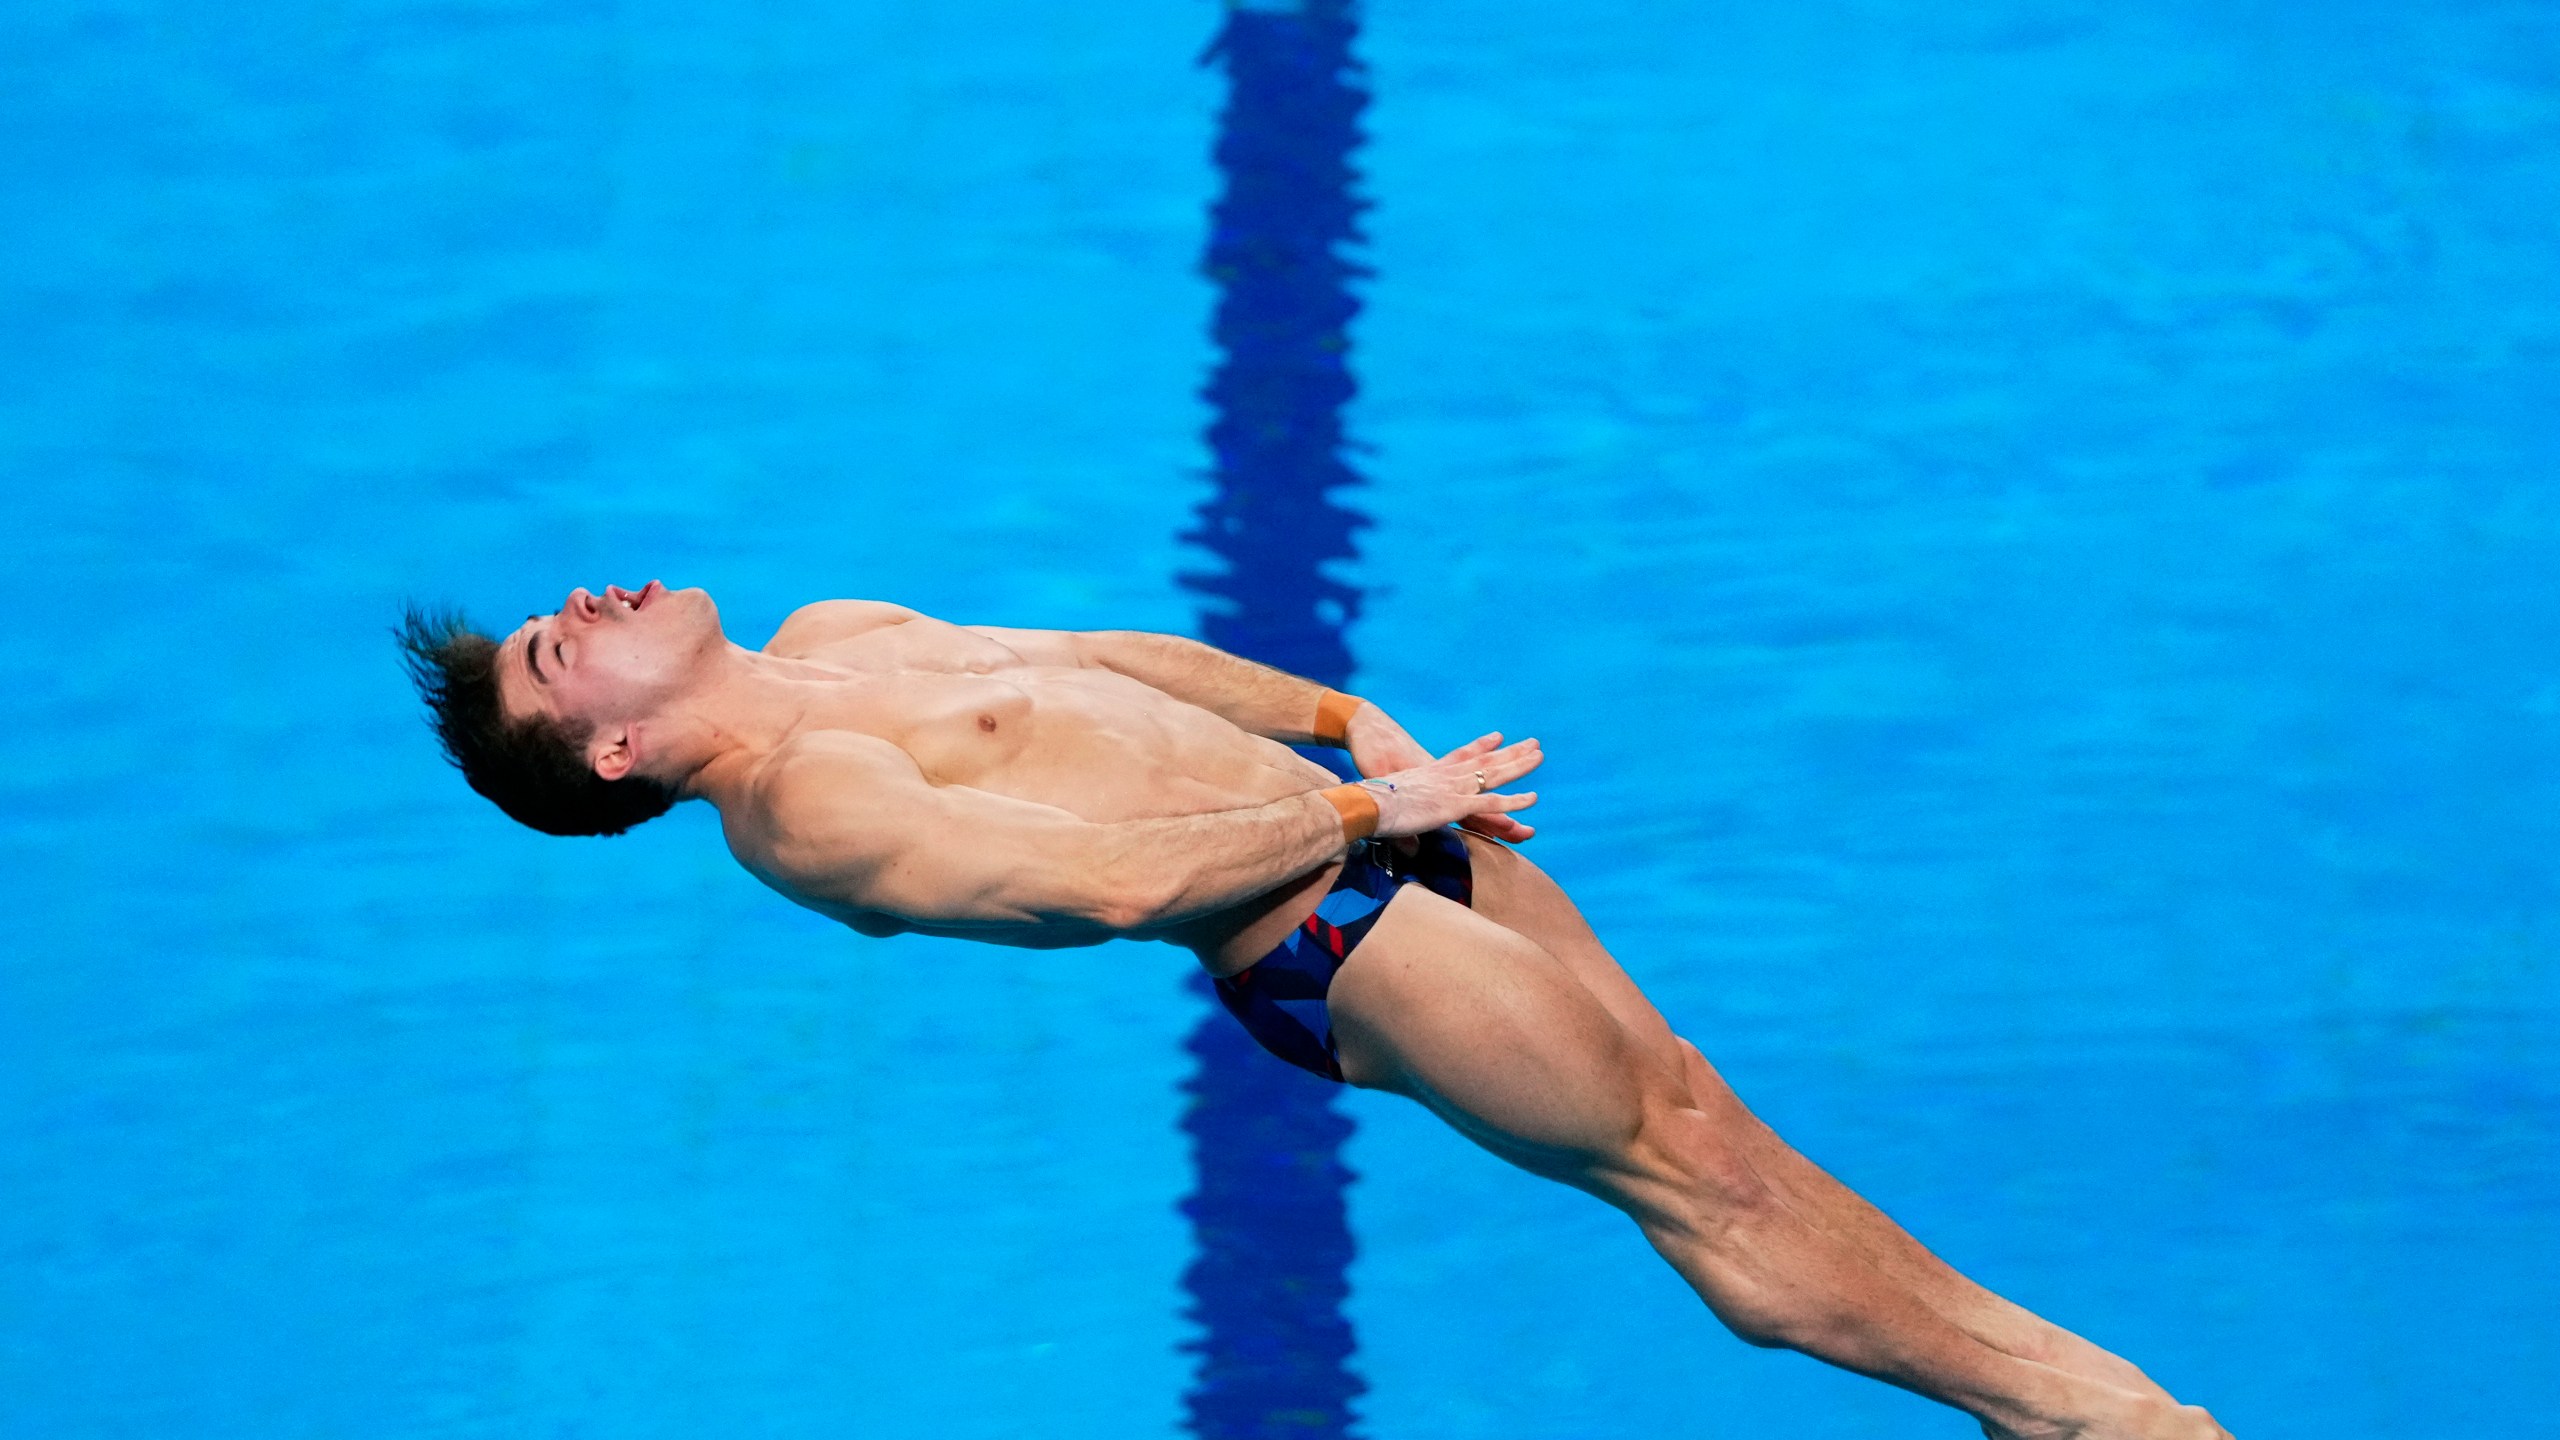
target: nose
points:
(582, 603)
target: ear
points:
(613, 753)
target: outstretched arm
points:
(852, 821)
(1256, 698)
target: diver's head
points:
(554, 723)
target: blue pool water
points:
(2027, 530)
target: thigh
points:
(1514, 893)
(1496, 1035)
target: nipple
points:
(987, 723)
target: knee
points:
(1763, 1327)
(1702, 1165)
(1721, 1223)
(1744, 1283)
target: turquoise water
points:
(2027, 536)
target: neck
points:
(710, 740)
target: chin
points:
(695, 610)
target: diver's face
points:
(609, 661)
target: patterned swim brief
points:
(1280, 997)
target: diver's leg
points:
(1500, 1038)
(1843, 1211)
(1516, 894)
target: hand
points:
(1380, 747)
(1424, 797)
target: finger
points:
(1499, 770)
(1468, 757)
(1482, 744)
(1500, 827)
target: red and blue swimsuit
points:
(1280, 997)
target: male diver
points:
(1045, 789)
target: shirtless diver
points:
(1045, 789)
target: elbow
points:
(1122, 915)
(1128, 907)
(1134, 653)
(1124, 886)
(1100, 649)
(1120, 919)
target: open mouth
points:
(634, 601)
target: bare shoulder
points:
(828, 621)
(813, 804)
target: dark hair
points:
(534, 769)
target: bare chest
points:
(966, 708)
(970, 710)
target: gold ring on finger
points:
(1479, 782)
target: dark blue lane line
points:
(1267, 1215)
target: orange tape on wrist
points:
(1333, 718)
(1358, 808)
